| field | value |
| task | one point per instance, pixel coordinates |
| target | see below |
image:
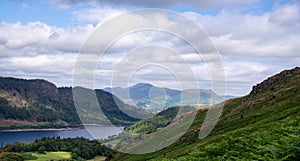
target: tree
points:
(41, 150)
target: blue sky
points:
(27, 11)
(61, 16)
(256, 38)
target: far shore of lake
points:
(82, 126)
(41, 129)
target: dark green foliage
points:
(7, 156)
(109, 106)
(29, 156)
(41, 150)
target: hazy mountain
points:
(155, 99)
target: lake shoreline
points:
(30, 135)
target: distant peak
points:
(142, 85)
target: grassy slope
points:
(262, 126)
(153, 124)
(52, 156)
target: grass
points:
(51, 156)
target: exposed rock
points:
(274, 79)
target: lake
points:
(98, 132)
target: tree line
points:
(80, 148)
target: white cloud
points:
(55, 68)
(37, 38)
(286, 15)
(240, 35)
(46, 62)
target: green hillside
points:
(264, 125)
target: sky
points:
(255, 38)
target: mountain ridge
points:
(155, 98)
(37, 100)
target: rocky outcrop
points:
(274, 79)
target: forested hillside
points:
(38, 103)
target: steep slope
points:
(153, 124)
(264, 125)
(155, 99)
(41, 103)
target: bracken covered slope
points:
(264, 125)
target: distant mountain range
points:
(39, 103)
(155, 99)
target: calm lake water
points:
(98, 132)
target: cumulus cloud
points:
(35, 38)
(37, 50)
(266, 35)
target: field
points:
(51, 155)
